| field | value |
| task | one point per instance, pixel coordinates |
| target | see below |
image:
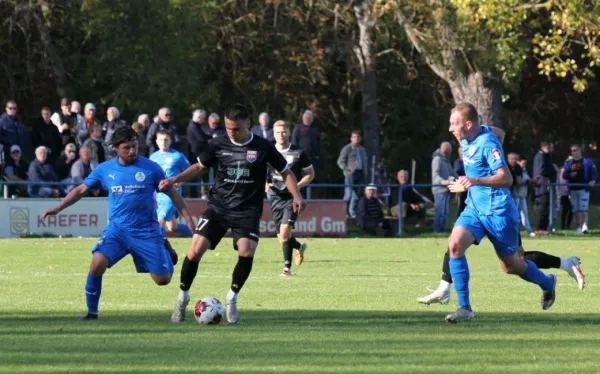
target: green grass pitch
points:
(349, 309)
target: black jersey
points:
(297, 161)
(241, 171)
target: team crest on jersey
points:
(168, 160)
(140, 177)
(496, 155)
(289, 158)
(251, 156)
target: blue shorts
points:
(503, 231)
(147, 249)
(165, 210)
(580, 200)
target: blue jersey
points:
(130, 192)
(172, 162)
(482, 157)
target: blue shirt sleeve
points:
(158, 174)
(96, 178)
(183, 162)
(494, 154)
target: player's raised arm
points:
(72, 197)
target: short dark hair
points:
(122, 135)
(576, 146)
(544, 144)
(237, 112)
(46, 108)
(355, 132)
(467, 111)
(163, 132)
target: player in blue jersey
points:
(490, 211)
(133, 228)
(172, 162)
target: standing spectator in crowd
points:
(89, 121)
(521, 195)
(442, 173)
(16, 170)
(353, 163)
(12, 131)
(41, 171)
(65, 162)
(95, 145)
(307, 138)
(517, 187)
(459, 169)
(164, 123)
(144, 120)
(580, 170)
(82, 167)
(113, 122)
(77, 125)
(213, 129)
(142, 146)
(45, 133)
(369, 214)
(197, 142)
(413, 203)
(566, 209)
(263, 129)
(63, 121)
(544, 173)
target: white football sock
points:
(564, 265)
(231, 296)
(184, 296)
(444, 286)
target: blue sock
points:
(535, 275)
(459, 270)
(93, 288)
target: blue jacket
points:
(12, 132)
(589, 170)
(256, 130)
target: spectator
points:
(518, 183)
(580, 170)
(12, 131)
(213, 129)
(165, 123)
(16, 170)
(95, 145)
(459, 169)
(307, 137)
(521, 194)
(40, 171)
(263, 129)
(82, 167)
(197, 142)
(142, 146)
(77, 125)
(544, 173)
(442, 173)
(113, 122)
(65, 162)
(89, 121)
(369, 215)
(45, 133)
(63, 122)
(144, 120)
(566, 209)
(353, 163)
(413, 203)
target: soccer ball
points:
(208, 311)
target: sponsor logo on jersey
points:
(251, 156)
(238, 172)
(496, 155)
(117, 189)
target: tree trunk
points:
(481, 91)
(366, 58)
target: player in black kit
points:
(282, 200)
(235, 202)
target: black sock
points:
(287, 254)
(241, 272)
(189, 269)
(294, 243)
(446, 268)
(543, 260)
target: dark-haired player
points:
(282, 200)
(234, 202)
(133, 228)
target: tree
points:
(479, 46)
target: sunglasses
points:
(16, 152)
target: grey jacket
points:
(347, 159)
(441, 170)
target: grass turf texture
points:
(350, 308)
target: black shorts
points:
(214, 225)
(283, 211)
